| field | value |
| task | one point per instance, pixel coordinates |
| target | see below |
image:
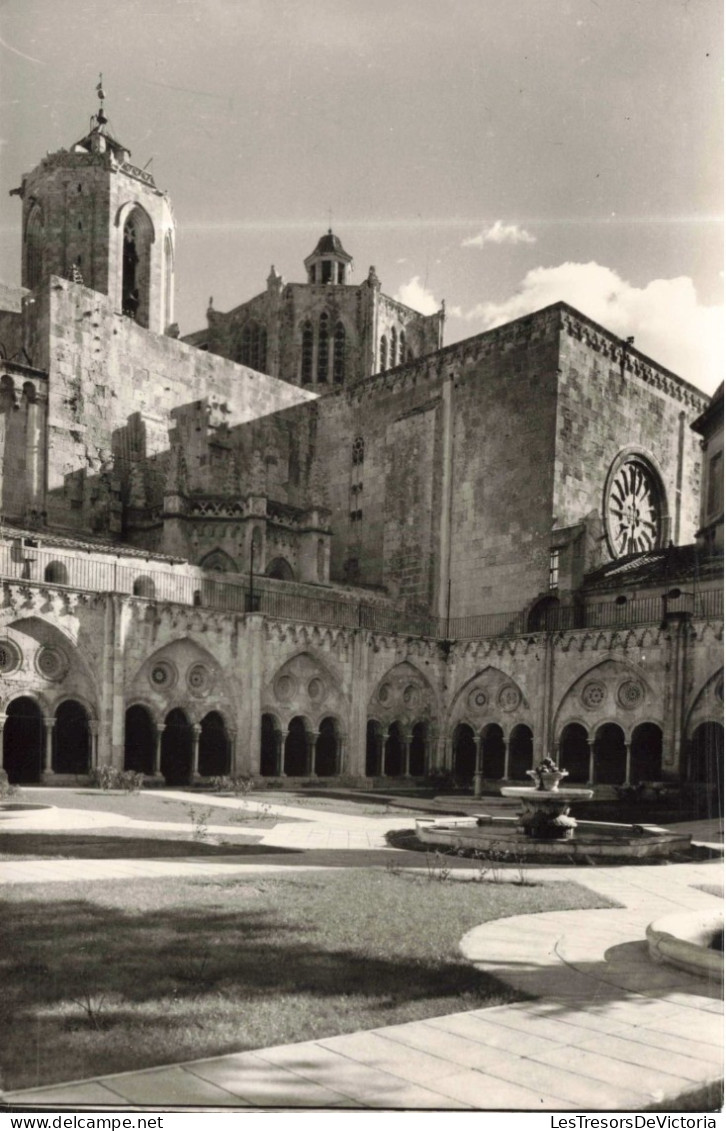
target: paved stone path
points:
(609, 1029)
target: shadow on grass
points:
(117, 847)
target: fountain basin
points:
(592, 840)
(545, 813)
(686, 940)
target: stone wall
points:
(110, 652)
(103, 368)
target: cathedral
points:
(310, 541)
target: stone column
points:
(160, 728)
(478, 768)
(49, 721)
(591, 771)
(93, 731)
(627, 763)
(407, 754)
(232, 750)
(507, 752)
(196, 731)
(279, 755)
(311, 738)
(380, 754)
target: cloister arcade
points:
(176, 747)
(38, 741)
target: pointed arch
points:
(306, 354)
(219, 561)
(137, 239)
(339, 354)
(323, 347)
(34, 247)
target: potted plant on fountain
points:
(547, 775)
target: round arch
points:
(610, 754)
(71, 738)
(492, 751)
(280, 569)
(646, 752)
(393, 751)
(295, 764)
(327, 748)
(463, 753)
(574, 752)
(418, 750)
(139, 739)
(270, 745)
(177, 748)
(23, 740)
(214, 746)
(374, 748)
(520, 752)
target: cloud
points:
(665, 317)
(414, 294)
(500, 233)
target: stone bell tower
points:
(91, 216)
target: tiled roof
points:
(70, 542)
(656, 566)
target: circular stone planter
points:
(686, 940)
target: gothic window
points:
(323, 336)
(339, 354)
(384, 352)
(394, 346)
(327, 267)
(253, 351)
(306, 370)
(356, 480)
(34, 239)
(138, 236)
(714, 494)
(168, 281)
(402, 347)
(554, 569)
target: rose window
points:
(633, 516)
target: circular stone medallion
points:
(10, 657)
(384, 693)
(477, 699)
(630, 694)
(284, 688)
(316, 688)
(51, 662)
(593, 695)
(509, 697)
(162, 674)
(199, 679)
(410, 694)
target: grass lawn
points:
(106, 977)
(151, 805)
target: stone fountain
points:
(545, 808)
(544, 829)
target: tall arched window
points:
(339, 354)
(168, 280)
(323, 339)
(253, 346)
(384, 352)
(34, 241)
(402, 347)
(138, 236)
(306, 367)
(394, 346)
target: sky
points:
(498, 154)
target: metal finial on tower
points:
(100, 116)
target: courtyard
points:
(171, 948)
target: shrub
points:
(237, 784)
(109, 777)
(6, 789)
